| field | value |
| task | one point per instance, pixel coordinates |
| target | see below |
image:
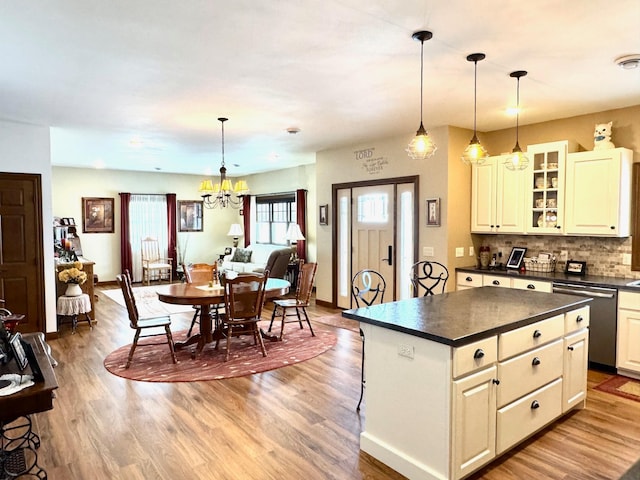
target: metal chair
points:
(243, 299)
(154, 264)
(141, 324)
(367, 288)
(306, 277)
(428, 276)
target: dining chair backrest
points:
(367, 288)
(150, 250)
(199, 272)
(306, 277)
(430, 277)
(244, 297)
(124, 280)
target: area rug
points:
(147, 301)
(621, 386)
(153, 363)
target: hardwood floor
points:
(297, 422)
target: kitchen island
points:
(454, 380)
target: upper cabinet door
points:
(598, 193)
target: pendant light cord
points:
(475, 95)
(222, 122)
(518, 111)
(421, 76)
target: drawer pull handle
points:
(537, 334)
(570, 348)
(535, 404)
(536, 361)
(478, 354)
(579, 319)
(531, 286)
(496, 282)
(496, 381)
(469, 279)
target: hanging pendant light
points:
(222, 194)
(422, 146)
(475, 154)
(517, 160)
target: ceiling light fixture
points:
(422, 146)
(475, 154)
(517, 160)
(628, 62)
(221, 194)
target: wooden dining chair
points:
(154, 264)
(298, 305)
(430, 278)
(367, 288)
(140, 325)
(201, 273)
(244, 298)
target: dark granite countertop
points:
(592, 280)
(462, 317)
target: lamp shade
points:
(294, 233)
(235, 230)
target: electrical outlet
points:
(626, 259)
(406, 350)
(564, 256)
(471, 251)
(428, 251)
(459, 251)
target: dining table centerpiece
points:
(73, 277)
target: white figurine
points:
(602, 136)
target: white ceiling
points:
(104, 72)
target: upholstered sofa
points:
(276, 256)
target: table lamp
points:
(293, 235)
(235, 231)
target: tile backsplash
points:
(604, 256)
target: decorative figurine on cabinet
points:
(602, 136)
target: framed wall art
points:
(433, 212)
(323, 215)
(190, 215)
(97, 215)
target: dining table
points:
(204, 295)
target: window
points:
(373, 208)
(274, 214)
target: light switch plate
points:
(626, 259)
(428, 251)
(459, 251)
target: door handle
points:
(389, 258)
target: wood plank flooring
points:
(297, 422)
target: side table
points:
(72, 307)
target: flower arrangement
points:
(73, 274)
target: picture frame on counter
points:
(516, 258)
(575, 267)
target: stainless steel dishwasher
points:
(603, 321)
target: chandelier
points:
(223, 194)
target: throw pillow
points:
(241, 255)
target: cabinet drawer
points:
(576, 319)
(474, 356)
(534, 285)
(629, 300)
(521, 418)
(464, 279)
(496, 281)
(529, 371)
(525, 338)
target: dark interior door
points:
(21, 250)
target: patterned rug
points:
(147, 301)
(153, 363)
(621, 386)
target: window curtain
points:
(126, 259)
(171, 229)
(246, 219)
(148, 217)
(301, 219)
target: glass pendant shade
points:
(475, 154)
(422, 145)
(517, 160)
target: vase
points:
(73, 290)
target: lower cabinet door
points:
(527, 415)
(576, 361)
(474, 422)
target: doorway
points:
(375, 228)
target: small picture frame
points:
(323, 215)
(190, 215)
(227, 251)
(97, 215)
(516, 257)
(433, 212)
(575, 267)
(18, 352)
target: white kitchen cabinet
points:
(465, 280)
(575, 361)
(497, 198)
(598, 193)
(628, 344)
